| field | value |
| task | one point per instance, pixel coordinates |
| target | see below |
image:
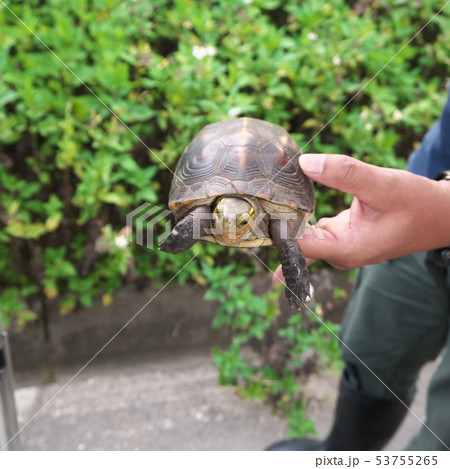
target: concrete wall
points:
(177, 317)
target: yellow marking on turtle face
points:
(233, 219)
(219, 208)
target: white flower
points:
(200, 52)
(397, 115)
(336, 60)
(247, 2)
(312, 36)
(364, 114)
(234, 111)
(210, 50)
(368, 126)
(121, 241)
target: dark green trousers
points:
(397, 320)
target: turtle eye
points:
(243, 220)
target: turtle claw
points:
(297, 292)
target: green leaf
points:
(120, 199)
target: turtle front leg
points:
(293, 265)
(182, 236)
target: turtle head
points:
(233, 218)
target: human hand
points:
(393, 213)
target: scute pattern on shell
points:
(242, 156)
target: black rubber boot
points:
(361, 423)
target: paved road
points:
(161, 402)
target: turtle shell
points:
(242, 156)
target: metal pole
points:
(8, 414)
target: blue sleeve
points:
(433, 154)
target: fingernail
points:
(312, 163)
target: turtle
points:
(239, 184)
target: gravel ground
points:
(162, 402)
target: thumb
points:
(366, 181)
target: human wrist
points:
(442, 255)
(443, 183)
(442, 219)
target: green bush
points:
(73, 164)
(286, 347)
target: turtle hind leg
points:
(295, 272)
(293, 265)
(187, 231)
